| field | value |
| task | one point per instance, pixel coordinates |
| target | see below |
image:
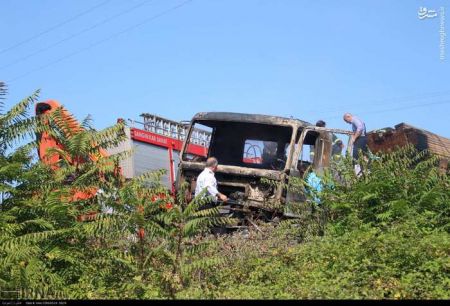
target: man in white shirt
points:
(207, 180)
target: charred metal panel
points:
(388, 139)
(251, 118)
(322, 151)
(249, 172)
(426, 140)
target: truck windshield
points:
(250, 145)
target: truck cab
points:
(253, 150)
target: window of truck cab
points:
(246, 144)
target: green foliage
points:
(397, 186)
(44, 251)
(362, 264)
(138, 242)
(179, 255)
(385, 236)
(381, 234)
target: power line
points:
(76, 34)
(104, 40)
(397, 109)
(54, 27)
(382, 102)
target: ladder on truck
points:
(174, 129)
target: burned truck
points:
(252, 150)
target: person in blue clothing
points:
(314, 184)
(359, 138)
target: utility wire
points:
(396, 109)
(382, 102)
(75, 35)
(104, 40)
(54, 27)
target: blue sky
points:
(307, 59)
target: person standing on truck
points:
(359, 138)
(321, 123)
(207, 180)
(335, 142)
(336, 149)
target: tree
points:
(179, 256)
(42, 245)
(128, 239)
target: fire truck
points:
(155, 143)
